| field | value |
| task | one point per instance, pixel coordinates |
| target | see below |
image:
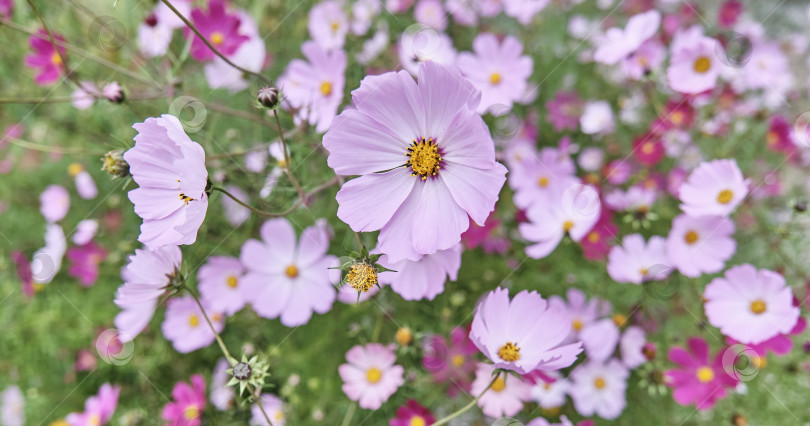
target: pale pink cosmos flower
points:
(85, 186)
(425, 157)
(574, 212)
(524, 334)
(551, 394)
(54, 203)
(85, 95)
(154, 36)
(498, 69)
(635, 261)
(599, 338)
(98, 409)
(221, 394)
(12, 406)
(431, 13)
(288, 277)
(188, 404)
(235, 213)
(524, 10)
(424, 278)
(273, 406)
(637, 198)
(620, 43)
(424, 44)
(505, 397)
(465, 12)
(694, 65)
(541, 180)
(220, 284)
(597, 118)
(599, 388)
(145, 279)
(647, 58)
(363, 14)
(220, 27)
(328, 24)
(700, 245)
(169, 169)
(750, 305)
(631, 347)
(714, 188)
(370, 376)
(314, 88)
(85, 231)
(580, 311)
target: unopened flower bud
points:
(404, 336)
(268, 96)
(114, 93)
(241, 371)
(115, 164)
(800, 206)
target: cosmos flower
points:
(98, 409)
(431, 13)
(750, 305)
(6, 8)
(648, 149)
(780, 136)
(85, 186)
(434, 155)
(288, 277)
(188, 404)
(363, 14)
(221, 394)
(47, 261)
(631, 347)
(220, 283)
(250, 55)
(370, 376)
(579, 311)
(542, 180)
(45, 59)
(54, 203)
(524, 10)
(186, 327)
(551, 393)
(505, 397)
(714, 188)
(599, 338)
(597, 118)
(564, 111)
(146, 277)
(219, 27)
(314, 88)
(522, 335)
(235, 213)
(598, 242)
(694, 65)
(274, 408)
(328, 25)
(649, 56)
(12, 406)
(452, 361)
(412, 414)
(423, 44)
(635, 261)
(154, 36)
(619, 44)
(700, 245)
(424, 278)
(170, 170)
(599, 388)
(84, 262)
(698, 380)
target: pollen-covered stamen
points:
(362, 277)
(509, 352)
(424, 158)
(185, 198)
(217, 38)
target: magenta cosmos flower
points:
(84, 261)
(188, 404)
(599, 388)
(619, 44)
(635, 261)
(505, 397)
(714, 188)
(425, 157)
(219, 27)
(750, 305)
(452, 361)
(45, 59)
(412, 414)
(498, 69)
(700, 245)
(145, 279)
(170, 169)
(424, 278)
(98, 409)
(370, 377)
(220, 284)
(524, 334)
(288, 277)
(699, 380)
(185, 324)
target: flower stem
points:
(257, 211)
(468, 406)
(287, 164)
(349, 414)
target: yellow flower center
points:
(705, 374)
(423, 158)
(619, 319)
(647, 148)
(676, 117)
(403, 336)
(326, 88)
(94, 420)
(56, 59)
(593, 237)
(509, 352)
(691, 237)
(725, 196)
(74, 169)
(758, 306)
(759, 361)
(291, 271)
(335, 25)
(279, 416)
(217, 38)
(232, 281)
(772, 138)
(643, 272)
(499, 385)
(542, 182)
(191, 412)
(458, 360)
(702, 64)
(373, 375)
(417, 421)
(567, 225)
(193, 320)
(599, 383)
(576, 324)
(361, 277)
(495, 78)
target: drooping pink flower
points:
(185, 325)
(328, 25)
(523, 334)
(221, 284)
(54, 203)
(498, 69)
(423, 278)
(45, 59)
(370, 377)
(698, 380)
(619, 44)
(98, 409)
(314, 88)
(188, 404)
(564, 111)
(694, 66)
(505, 397)
(219, 27)
(700, 245)
(452, 361)
(169, 169)
(714, 188)
(635, 261)
(288, 277)
(84, 262)
(412, 414)
(750, 305)
(599, 388)
(449, 161)
(146, 277)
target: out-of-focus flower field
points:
(404, 212)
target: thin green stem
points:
(287, 164)
(468, 406)
(257, 211)
(349, 415)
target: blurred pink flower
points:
(700, 245)
(423, 278)
(6, 8)
(648, 149)
(45, 58)
(699, 380)
(98, 409)
(579, 311)
(185, 326)
(219, 27)
(619, 44)
(488, 236)
(599, 388)
(452, 361)
(412, 414)
(694, 65)
(636, 262)
(631, 347)
(729, 12)
(505, 397)
(328, 25)
(564, 111)
(24, 273)
(273, 406)
(597, 242)
(499, 70)
(780, 137)
(431, 13)
(370, 377)
(542, 179)
(714, 188)
(221, 284)
(54, 203)
(84, 262)
(188, 404)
